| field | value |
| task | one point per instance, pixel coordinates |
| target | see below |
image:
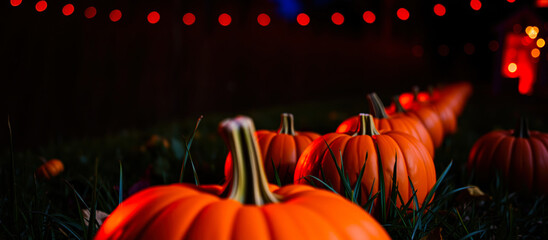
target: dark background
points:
(72, 77)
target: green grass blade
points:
(13, 185)
(357, 187)
(276, 176)
(196, 180)
(187, 147)
(435, 187)
(323, 183)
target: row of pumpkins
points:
(402, 136)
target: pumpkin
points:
(245, 209)
(440, 105)
(426, 115)
(520, 155)
(373, 149)
(280, 150)
(384, 122)
(50, 169)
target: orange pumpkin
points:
(281, 148)
(414, 163)
(50, 169)
(245, 209)
(520, 155)
(395, 122)
(426, 115)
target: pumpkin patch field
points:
(350, 168)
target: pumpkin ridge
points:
(403, 159)
(485, 143)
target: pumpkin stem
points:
(522, 129)
(376, 106)
(287, 125)
(366, 125)
(399, 107)
(430, 90)
(416, 91)
(248, 184)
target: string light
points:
(540, 43)
(15, 3)
(512, 67)
(225, 19)
(263, 19)
(369, 17)
(535, 52)
(337, 18)
(403, 14)
(475, 4)
(153, 17)
(41, 6)
(439, 9)
(189, 19)
(68, 9)
(303, 19)
(90, 12)
(115, 15)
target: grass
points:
(100, 172)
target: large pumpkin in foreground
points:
(520, 155)
(280, 150)
(368, 146)
(245, 209)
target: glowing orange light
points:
(225, 19)
(15, 3)
(189, 19)
(115, 15)
(403, 14)
(406, 99)
(535, 52)
(303, 19)
(475, 4)
(263, 19)
(90, 12)
(512, 67)
(153, 17)
(423, 97)
(541, 3)
(68, 9)
(337, 18)
(540, 43)
(439, 9)
(443, 50)
(417, 50)
(469, 48)
(41, 6)
(532, 31)
(526, 40)
(369, 17)
(493, 45)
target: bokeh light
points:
(403, 14)
(90, 12)
(532, 31)
(337, 18)
(369, 17)
(469, 48)
(153, 17)
(439, 9)
(303, 19)
(443, 50)
(68, 9)
(189, 19)
(535, 53)
(512, 67)
(417, 51)
(540, 43)
(115, 15)
(41, 6)
(493, 45)
(475, 4)
(263, 19)
(15, 3)
(225, 19)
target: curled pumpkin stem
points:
(399, 107)
(376, 106)
(366, 125)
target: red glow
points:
(469, 48)
(406, 100)
(443, 50)
(403, 14)
(423, 97)
(225, 19)
(439, 9)
(512, 67)
(511, 1)
(15, 3)
(493, 45)
(153, 17)
(90, 12)
(417, 50)
(541, 3)
(475, 4)
(337, 18)
(41, 6)
(68, 9)
(115, 15)
(189, 19)
(303, 19)
(525, 41)
(369, 17)
(263, 19)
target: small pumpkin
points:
(245, 209)
(280, 150)
(50, 169)
(440, 105)
(520, 155)
(414, 162)
(427, 116)
(394, 122)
